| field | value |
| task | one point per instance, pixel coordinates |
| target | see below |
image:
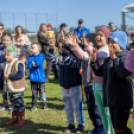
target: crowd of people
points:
(103, 64)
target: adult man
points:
(80, 29)
(112, 27)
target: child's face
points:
(48, 28)
(100, 39)
(132, 38)
(34, 49)
(116, 47)
(8, 57)
(7, 41)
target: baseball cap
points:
(80, 21)
(132, 35)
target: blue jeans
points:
(93, 110)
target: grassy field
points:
(50, 121)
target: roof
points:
(129, 8)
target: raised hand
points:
(93, 55)
(85, 43)
(111, 52)
(52, 43)
(70, 40)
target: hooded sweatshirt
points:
(117, 81)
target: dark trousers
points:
(17, 102)
(5, 101)
(38, 87)
(93, 110)
(119, 118)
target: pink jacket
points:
(85, 56)
(129, 63)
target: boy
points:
(14, 84)
(70, 80)
(37, 75)
(117, 82)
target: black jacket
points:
(129, 47)
(69, 75)
(117, 81)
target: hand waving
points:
(111, 52)
(93, 55)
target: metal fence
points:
(29, 21)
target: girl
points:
(102, 46)
(117, 82)
(21, 41)
(129, 65)
(6, 41)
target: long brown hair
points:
(17, 34)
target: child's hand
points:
(23, 59)
(111, 52)
(6, 76)
(93, 55)
(52, 43)
(78, 40)
(85, 43)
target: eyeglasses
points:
(1, 29)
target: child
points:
(117, 82)
(129, 65)
(37, 75)
(14, 84)
(101, 40)
(49, 31)
(70, 80)
(6, 41)
(130, 46)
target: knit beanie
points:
(120, 38)
(106, 32)
(12, 50)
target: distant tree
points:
(55, 29)
(71, 29)
(27, 31)
(9, 30)
(130, 28)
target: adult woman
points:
(1, 32)
(21, 41)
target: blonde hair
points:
(38, 44)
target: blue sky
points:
(93, 12)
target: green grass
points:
(51, 121)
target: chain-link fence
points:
(29, 21)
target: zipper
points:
(107, 84)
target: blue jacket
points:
(2, 61)
(37, 73)
(80, 32)
(69, 75)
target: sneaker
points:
(69, 129)
(45, 105)
(97, 131)
(80, 129)
(34, 108)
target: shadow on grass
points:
(56, 81)
(49, 105)
(29, 128)
(54, 99)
